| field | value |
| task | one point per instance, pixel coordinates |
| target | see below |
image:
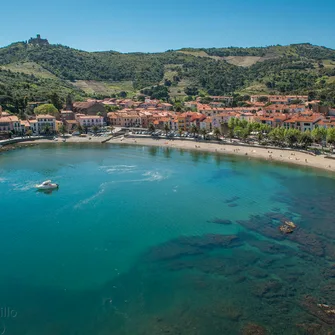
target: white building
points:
(90, 120)
(43, 122)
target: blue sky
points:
(150, 26)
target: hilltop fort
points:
(38, 40)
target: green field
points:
(92, 87)
(29, 68)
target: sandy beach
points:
(278, 155)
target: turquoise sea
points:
(150, 240)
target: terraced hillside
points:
(299, 68)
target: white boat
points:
(47, 185)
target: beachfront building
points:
(206, 124)
(88, 121)
(307, 122)
(44, 124)
(326, 123)
(10, 123)
(25, 126)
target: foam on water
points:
(118, 168)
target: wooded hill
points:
(32, 71)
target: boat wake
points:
(118, 168)
(150, 176)
(154, 176)
(24, 187)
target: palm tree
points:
(62, 129)
(166, 128)
(151, 128)
(79, 128)
(217, 133)
(95, 129)
(85, 129)
(46, 130)
(194, 129)
(204, 133)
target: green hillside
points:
(34, 71)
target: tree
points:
(180, 132)
(306, 139)
(29, 133)
(238, 131)
(244, 134)
(69, 102)
(62, 129)
(319, 135)
(191, 90)
(166, 128)
(331, 136)
(217, 133)
(204, 133)
(292, 136)
(85, 129)
(277, 135)
(123, 94)
(151, 128)
(48, 109)
(95, 129)
(46, 130)
(178, 106)
(167, 82)
(56, 100)
(194, 129)
(263, 99)
(80, 128)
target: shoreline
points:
(273, 155)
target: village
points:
(94, 116)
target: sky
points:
(160, 25)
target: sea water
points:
(150, 240)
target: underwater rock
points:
(261, 224)
(232, 199)
(172, 250)
(329, 250)
(257, 273)
(329, 272)
(267, 289)
(275, 209)
(221, 221)
(321, 311)
(286, 229)
(240, 279)
(328, 291)
(253, 329)
(226, 311)
(308, 242)
(312, 329)
(192, 245)
(232, 205)
(272, 248)
(211, 241)
(276, 216)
